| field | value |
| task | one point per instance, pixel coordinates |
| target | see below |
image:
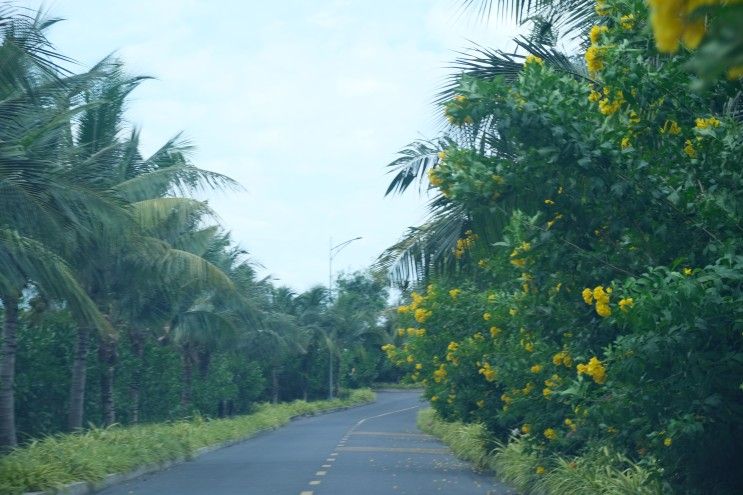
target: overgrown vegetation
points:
(91, 455)
(514, 463)
(578, 288)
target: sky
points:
(303, 102)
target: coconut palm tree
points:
(42, 201)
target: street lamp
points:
(332, 252)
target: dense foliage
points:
(592, 295)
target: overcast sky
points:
(303, 102)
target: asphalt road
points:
(371, 450)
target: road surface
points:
(370, 450)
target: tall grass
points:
(599, 472)
(57, 460)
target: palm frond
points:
(415, 159)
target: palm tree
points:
(41, 199)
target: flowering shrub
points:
(607, 306)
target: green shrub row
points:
(601, 472)
(57, 460)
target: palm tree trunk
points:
(275, 385)
(107, 355)
(8, 437)
(186, 377)
(135, 387)
(77, 383)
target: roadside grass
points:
(91, 455)
(600, 472)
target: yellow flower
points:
(689, 149)
(549, 202)
(594, 59)
(627, 22)
(687, 271)
(513, 311)
(625, 143)
(546, 392)
(439, 374)
(671, 127)
(410, 359)
(735, 72)
(526, 428)
(667, 441)
(539, 470)
(403, 309)
(594, 96)
(488, 372)
(492, 298)
(454, 293)
(434, 179)
(400, 332)
(595, 369)
(494, 331)
(601, 295)
(570, 424)
(418, 366)
(480, 403)
(434, 398)
(587, 296)
(442, 155)
(421, 315)
(533, 59)
(420, 332)
(452, 347)
(506, 399)
(608, 107)
(596, 32)
(550, 434)
(626, 303)
(603, 310)
(527, 388)
(460, 99)
(536, 368)
(706, 123)
(528, 347)
(486, 316)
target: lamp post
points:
(332, 252)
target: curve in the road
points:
(370, 450)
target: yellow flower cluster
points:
(596, 32)
(454, 293)
(516, 260)
(601, 297)
(533, 59)
(707, 123)
(595, 369)
(594, 59)
(494, 331)
(550, 434)
(440, 373)
(563, 358)
(465, 244)
(433, 178)
(626, 143)
(670, 127)
(627, 22)
(526, 428)
(609, 106)
(486, 316)
(626, 303)
(536, 368)
(689, 149)
(488, 372)
(528, 388)
(551, 383)
(539, 470)
(422, 314)
(601, 8)
(673, 22)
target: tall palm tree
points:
(41, 200)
